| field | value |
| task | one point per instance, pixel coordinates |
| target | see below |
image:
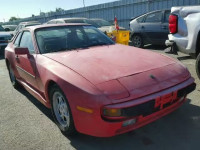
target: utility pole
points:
(84, 3)
(84, 8)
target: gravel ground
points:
(27, 124)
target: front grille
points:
(144, 109)
(148, 108)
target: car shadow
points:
(152, 47)
(184, 58)
(178, 130)
(155, 47)
(34, 101)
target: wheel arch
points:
(198, 44)
(48, 86)
(136, 33)
(7, 62)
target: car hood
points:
(105, 63)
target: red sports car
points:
(91, 84)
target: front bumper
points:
(98, 126)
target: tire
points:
(61, 111)
(198, 65)
(12, 77)
(137, 41)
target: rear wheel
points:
(198, 65)
(137, 41)
(61, 111)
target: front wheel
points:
(61, 111)
(198, 65)
(137, 41)
(12, 77)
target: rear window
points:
(166, 19)
(154, 17)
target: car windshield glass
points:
(82, 21)
(92, 23)
(1, 28)
(102, 23)
(55, 39)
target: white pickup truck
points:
(184, 26)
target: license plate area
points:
(165, 100)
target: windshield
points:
(1, 28)
(62, 38)
(102, 23)
(82, 21)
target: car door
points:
(25, 64)
(165, 26)
(151, 27)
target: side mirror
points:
(21, 51)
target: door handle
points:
(142, 27)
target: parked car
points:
(105, 26)
(150, 28)
(92, 84)
(4, 38)
(9, 27)
(25, 24)
(72, 20)
(184, 25)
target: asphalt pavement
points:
(25, 124)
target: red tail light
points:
(173, 24)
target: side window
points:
(140, 20)
(59, 22)
(154, 17)
(166, 19)
(16, 43)
(26, 41)
(51, 22)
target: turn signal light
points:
(112, 112)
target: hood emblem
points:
(152, 76)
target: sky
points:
(25, 8)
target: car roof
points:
(69, 18)
(9, 25)
(150, 13)
(29, 22)
(55, 25)
(97, 19)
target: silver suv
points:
(184, 26)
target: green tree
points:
(13, 18)
(59, 9)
